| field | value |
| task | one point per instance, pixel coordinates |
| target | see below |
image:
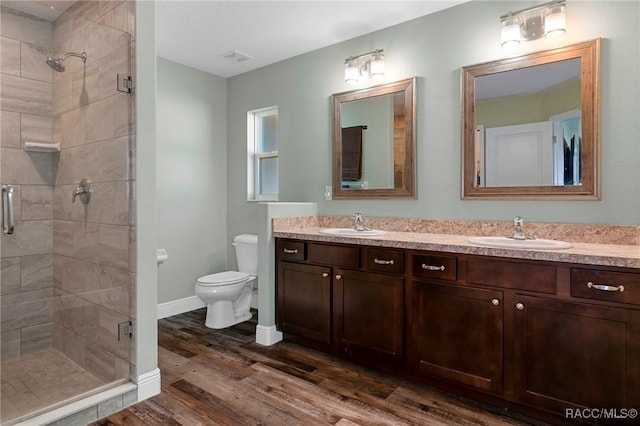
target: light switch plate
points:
(328, 193)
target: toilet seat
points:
(226, 278)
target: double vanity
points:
(536, 331)
(544, 326)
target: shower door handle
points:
(7, 209)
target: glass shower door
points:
(67, 278)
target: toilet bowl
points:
(228, 294)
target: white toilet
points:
(228, 294)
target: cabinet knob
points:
(338, 277)
(519, 306)
(325, 275)
(495, 302)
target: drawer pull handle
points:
(604, 287)
(383, 262)
(338, 277)
(290, 251)
(495, 302)
(432, 268)
(325, 275)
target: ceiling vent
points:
(235, 56)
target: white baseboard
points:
(148, 384)
(179, 306)
(267, 335)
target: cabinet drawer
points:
(540, 277)
(339, 256)
(613, 286)
(435, 266)
(291, 250)
(383, 260)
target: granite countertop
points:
(619, 255)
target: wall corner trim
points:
(148, 384)
(179, 306)
(267, 335)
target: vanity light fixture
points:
(547, 20)
(368, 65)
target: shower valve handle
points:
(83, 190)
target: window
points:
(262, 154)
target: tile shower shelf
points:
(41, 147)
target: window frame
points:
(255, 155)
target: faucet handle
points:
(358, 217)
(83, 190)
(518, 221)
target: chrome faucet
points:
(518, 229)
(359, 222)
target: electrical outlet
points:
(328, 193)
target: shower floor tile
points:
(38, 380)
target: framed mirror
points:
(374, 142)
(531, 126)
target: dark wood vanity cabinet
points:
(539, 336)
(368, 313)
(348, 298)
(574, 355)
(456, 334)
(304, 301)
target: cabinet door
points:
(304, 301)
(456, 334)
(369, 315)
(571, 355)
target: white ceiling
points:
(197, 33)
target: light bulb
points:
(555, 22)
(510, 33)
(350, 72)
(377, 65)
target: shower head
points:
(56, 63)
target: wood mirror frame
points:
(405, 137)
(589, 55)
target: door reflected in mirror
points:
(531, 125)
(528, 126)
(374, 141)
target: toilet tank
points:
(246, 246)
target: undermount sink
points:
(350, 232)
(505, 242)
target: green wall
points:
(433, 48)
(191, 177)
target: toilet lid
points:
(223, 278)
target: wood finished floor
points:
(221, 377)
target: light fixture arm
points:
(372, 53)
(543, 6)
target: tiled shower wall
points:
(90, 247)
(26, 282)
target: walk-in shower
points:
(56, 63)
(67, 272)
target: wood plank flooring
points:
(221, 377)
